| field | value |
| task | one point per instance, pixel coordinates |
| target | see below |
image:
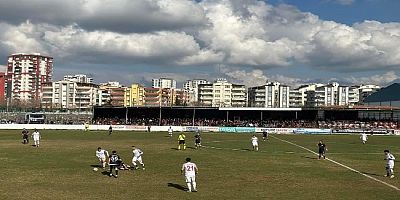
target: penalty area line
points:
(340, 164)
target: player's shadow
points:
(177, 186)
(182, 149)
(308, 157)
(371, 174)
(95, 165)
(246, 149)
(105, 173)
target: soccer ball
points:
(95, 169)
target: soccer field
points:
(61, 168)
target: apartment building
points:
(191, 86)
(25, 74)
(163, 83)
(221, 93)
(116, 92)
(134, 95)
(70, 95)
(270, 95)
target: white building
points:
(366, 90)
(343, 96)
(271, 95)
(298, 96)
(80, 78)
(71, 95)
(354, 95)
(164, 83)
(221, 93)
(25, 74)
(191, 87)
(328, 95)
(111, 84)
(295, 98)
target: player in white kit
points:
(170, 131)
(390, 164)
(102, 154)
(137, 156)
(254, 142)
(190, 170)
(363, 138)
(36, 137)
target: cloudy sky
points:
(245, 41)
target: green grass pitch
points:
(61, 168)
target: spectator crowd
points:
(342, 124)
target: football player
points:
(190, 170)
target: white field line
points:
(288, 152)
(340, 164)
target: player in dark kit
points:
(265, 135)
(197, 140)
(25, 136)
(321, 149)
(110, 130)
(114, 161)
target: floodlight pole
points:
(194, 114)
(126, 115)
(159, 121)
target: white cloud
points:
(345, 2)
(112, 15)
(24, 38)
(77, 43)
(257, 77)
(235, 33)
(146, 77)
(378, 79)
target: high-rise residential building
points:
(25, 74)
(271, 95)
(134, 95)
(159, 97)
(333, 94)
(239, 95)
(116, 92)
(295, 98)
(366, 90)
(102, 97)
(328, 95)
(181, 97)
(164, 83)
(343, 96)
(221, 93)
(168, 97)
(2, 87)
(354, 95)
(152, 96)
(70, 95)
(206, 94)
(298, 96)
(191, 86)
(80, 78)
